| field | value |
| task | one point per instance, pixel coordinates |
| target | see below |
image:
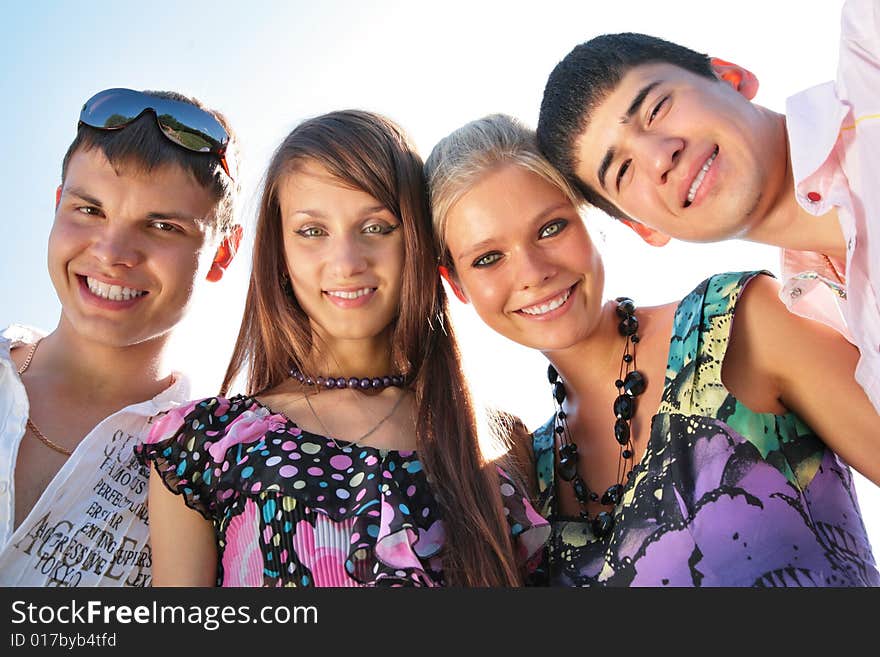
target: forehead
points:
(309, 185)
(162, 189)
(505, 200)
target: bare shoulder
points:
(761, 314)
(762, 292)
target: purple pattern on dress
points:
(723, 496)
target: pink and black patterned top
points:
(292, 508)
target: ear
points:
(58, 197)
(450, 278)
(225, 253)
(650, 235)
(743, 80)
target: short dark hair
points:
(583, 79)
(143, 145)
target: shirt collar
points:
(813, 119)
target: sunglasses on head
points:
(186, 125)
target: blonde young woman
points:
(703, 442)
(352, 458)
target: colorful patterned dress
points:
(723, 496)
(291, 508)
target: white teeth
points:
(112, 292)
(350, 295)
(547, 307)
(692, 192)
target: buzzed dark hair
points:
(582, 80)
(142, 144)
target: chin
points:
(545, 342)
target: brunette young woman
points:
(703, 442)
(353, 457)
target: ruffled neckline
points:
(334, 443)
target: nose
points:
(349, 257)
(534, 267)
(659, 155)
(115, 246)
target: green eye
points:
(486, 260)
(311, 231)
(553, 228)
(380, 229)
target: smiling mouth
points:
(350, 294)
(548, 306)
(112, 292)
(698, 181)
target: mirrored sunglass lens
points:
(190, 126)
(187, 137)
(112, 108)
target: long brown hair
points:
(370, 153)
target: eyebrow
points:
(482, 244)
(152, 216)
(318, 214)
(631, 111)
(76, 191)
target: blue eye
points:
(487, 259)
(553, 228)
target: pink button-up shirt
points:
(834, 137)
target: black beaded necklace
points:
(630, 384)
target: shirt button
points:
(3, 487)
(796, 292)
(814, 197)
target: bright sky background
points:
(429, 66)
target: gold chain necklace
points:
(356, 441)
(30, 423)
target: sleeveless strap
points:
(700, 336)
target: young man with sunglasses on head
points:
(143, 213)
(668, 141)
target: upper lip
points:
(546, 299)
(351, 288)
(694, 169)
(107, 280)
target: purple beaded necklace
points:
(630, 384)
(356, 383)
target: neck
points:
(117, 375)
(784, 223)
(347, 358)
(601, 349)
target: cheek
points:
(65, 239)
(487, 295)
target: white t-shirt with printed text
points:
(90, 526)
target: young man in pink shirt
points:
(668, 140)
